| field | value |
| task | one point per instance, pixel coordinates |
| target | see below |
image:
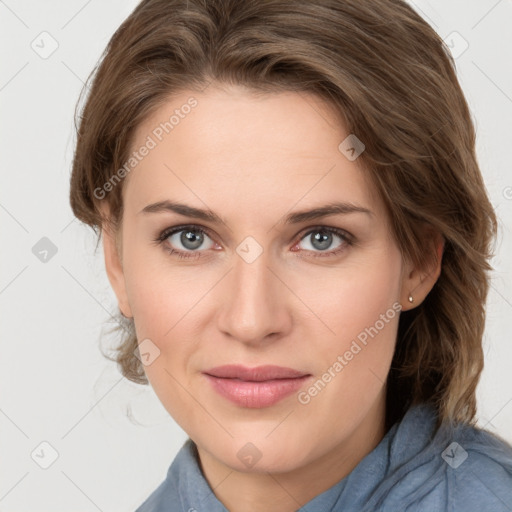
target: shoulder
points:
(478, 471)
(168, 492)
(184, 488)
(160, 498)
(452, 469)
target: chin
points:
(257, 454)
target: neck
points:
(287, 492)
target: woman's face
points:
(268, 284)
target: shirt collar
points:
(402, 442)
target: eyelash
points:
(164, 235)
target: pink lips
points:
(257, 387)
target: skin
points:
(253, 159)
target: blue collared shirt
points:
(413, 468)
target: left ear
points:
(417, 282)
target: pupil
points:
(191, 240)
(323, 240)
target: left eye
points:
(321, 239)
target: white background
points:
(55, 384)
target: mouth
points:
(258, 387)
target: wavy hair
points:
(393, 81)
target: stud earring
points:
(411, 300)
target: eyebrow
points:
(338, 208)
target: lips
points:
(257, 374)
(257, 387)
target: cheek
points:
(162, 304)
(165, 303)
(158, 294)
(361, 309)
(357, 297)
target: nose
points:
(254, 303)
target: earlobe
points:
(419, 282)
(114, 269)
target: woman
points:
(296, 228)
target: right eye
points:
(189, 237)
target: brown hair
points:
(393, 81)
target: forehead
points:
(234, 143)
